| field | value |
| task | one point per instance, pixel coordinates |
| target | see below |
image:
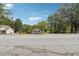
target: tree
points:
(18, 25)
(76, 17)
(66, 16)
(56, 23)
(4, 20)
(1, 9)
(34, 26)
(43, 26)
(72, 12)
(27, 29)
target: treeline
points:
(65, 20)
(19, 27)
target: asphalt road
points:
(43, 39)
(61, 43)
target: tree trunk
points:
(75, 29)
(71, 28)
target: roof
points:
(4, 27)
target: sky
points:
(32, 13)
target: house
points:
(36, 31)
(6, 30)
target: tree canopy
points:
(66, 18)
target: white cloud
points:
(35, 18)
(8, 6)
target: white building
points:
(6, 30)
(36, 31)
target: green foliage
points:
(34, 26)
(66, 19)
(1, 9)
(3, 19)
(27, 29)
(43, 26)
(18, 25)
